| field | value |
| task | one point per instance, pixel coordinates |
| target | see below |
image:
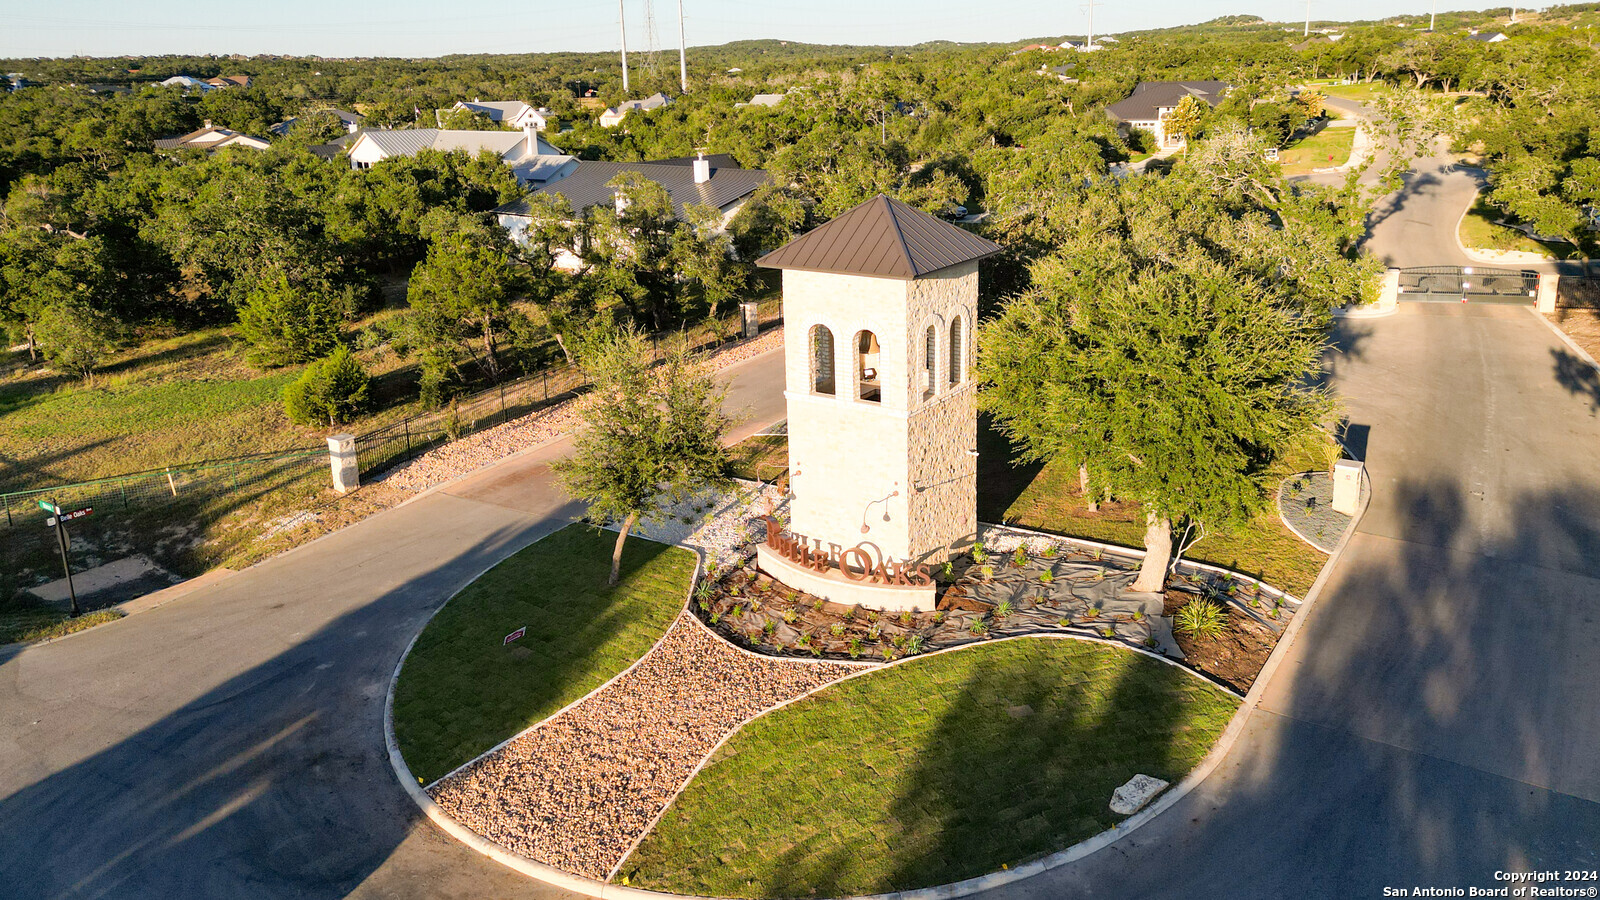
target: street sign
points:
(515, 634)
(67, 517)
(49, 507)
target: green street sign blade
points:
(49, 507)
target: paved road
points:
(1438, 716)
(230, 743)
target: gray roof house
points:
(532, 159)
(762, 100)
(351, 122)
(613, 117)
(1152, 101)
(211, 139)
(723, 188)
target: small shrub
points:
(1019, 558)
(872, 616)
(1201, 618)
(817, 606)
(873, 633)
(1092, 612)
(947, 572)
(978, 626)
(1152, 643)
(1052, 551)
(1046, 577)
(988, 571)
(855, 648)
(1066, 622)
(769, 628)
(1108, 631)
(1138, 615)
(978, 556)
(716, 617)
(850, 614)
(332, 390)
(836, 628)
(906, 617)
(1005, 609)
(939, 617)
(914, 645)
(790, 616)
(888, 653)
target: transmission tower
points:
(650, 42)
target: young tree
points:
(1187, 119)
(1180, 382)
(332, 390)
(461, 296)
(74, 336)
(650, 435)
(288, 323)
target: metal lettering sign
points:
(858, 563)
(514, 635)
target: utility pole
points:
(1089, 43)
(1307, 32)
(1433, 14)
(622, 21)
(683, 53)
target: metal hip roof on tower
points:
(881, 238)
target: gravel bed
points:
(577, 791)
(1306, 503)
(491, 445)
(721, 523)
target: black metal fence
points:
(1578, 292)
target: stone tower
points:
(879, 307)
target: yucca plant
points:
(1202, 618)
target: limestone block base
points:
(833, 586)
(1132, 797)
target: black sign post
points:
(64, 542)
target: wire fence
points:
(172, 484)
(404, 440)
(376, 450)
(1578, 292)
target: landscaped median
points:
(620, 739)
(464, 688)
(931, 771)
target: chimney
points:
(702, 170)
(207, 123)
(533, 142)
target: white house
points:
(533, 160)
(211, 139)
(762, 100)
(1153, 101)
(509, 113)
(188, 83)
(613, 117)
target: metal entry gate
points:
(1469, 284)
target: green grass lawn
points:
(1479, 231)
(1047, 498)
(761, 458)
(24, 623)
(463, 690)
(1328, 147)
(932, 771)
(1360, 93)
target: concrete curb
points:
(1483, 256)
(1566, 339)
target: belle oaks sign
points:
(858, 563)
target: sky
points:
(434, 28)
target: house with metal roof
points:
(613, 117)
(210, 139)
(723, 188)
(509, 113)
(187, 82)
(532, 159)
(231, 81)
(351, 122)
(1151, 102)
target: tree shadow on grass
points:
(273, 782)
(1001, 480)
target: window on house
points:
(821, 360)
(867, 366)
(957, 352)
(930, 361)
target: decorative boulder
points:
(1132, 797)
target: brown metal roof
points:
(883, 238)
